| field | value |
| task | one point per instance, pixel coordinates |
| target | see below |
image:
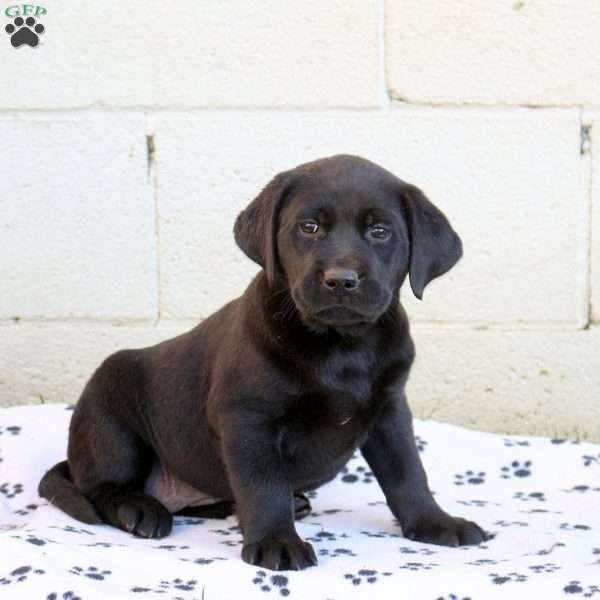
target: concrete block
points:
(473, 51)
(190, 53)
(77, 220)
(53, 362)
(535, 382)
(595, 218)
(509, 182)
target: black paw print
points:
(418, 566)
(20, 574)
(381, 534)
(11, 490)
(202, 560)
(32, 539)
(324, 536)
(361, 474)
(368, 575)
(576, 587)
(453, 597)
(510, 443)
(501, 579)
(544, 568)
(563, 441)
(420, 443)
(516, 469)
(470, 477)
(589, 460)
(27, 510)
(576, 527)
(503, 523)
(478, 503)
(164, 585)
(12, 429)
(70, 595)
(336, 552)
(277, 582)
(539, 496)
(24, 32)
(423, 551)
(90, 572)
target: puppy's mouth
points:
(340, 316)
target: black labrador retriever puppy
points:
(270, 396)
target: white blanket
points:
(540, 497)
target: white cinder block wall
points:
(132, 136)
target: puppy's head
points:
(342, 233)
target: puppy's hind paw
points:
(145, 517)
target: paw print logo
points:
(576, 587)
(24, 32)
(10, 491)
(361, 474)
(90, 572)
(539, 496)
(517, 469)
(368, 575)
(274, 582)
(470, 477)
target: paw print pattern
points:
(11, 490)
(336, 552)
(516, 469)
(453, 597)
(539, 496)
(574, 527)
(368, 575)
(20, 574)
(511, 443)
(503, 523)
(325, 536)
(422, 551)
(165, 586)
(24, 32)
(478, 503)
(272, 583)
(70, 595)
(576, 587)
(10, 430)
(360, 474)
(203, 560)
(418, 566)
(470, 477)
(588, 460)
(507, 577)
(90, 572)
(27, 510)
(420, 443)
(544, 568)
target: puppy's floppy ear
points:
(434, 246)
(255, 228)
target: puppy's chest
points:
(336, 407)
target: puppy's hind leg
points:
(109, 464)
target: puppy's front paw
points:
(444, 530)
(280, 553)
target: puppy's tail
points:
(56, 486)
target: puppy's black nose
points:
(340, 280)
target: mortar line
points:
(383, 91)
(394, 104)
(590, 213)
(153, 181)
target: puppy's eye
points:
(379, 232)
(309, 227)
